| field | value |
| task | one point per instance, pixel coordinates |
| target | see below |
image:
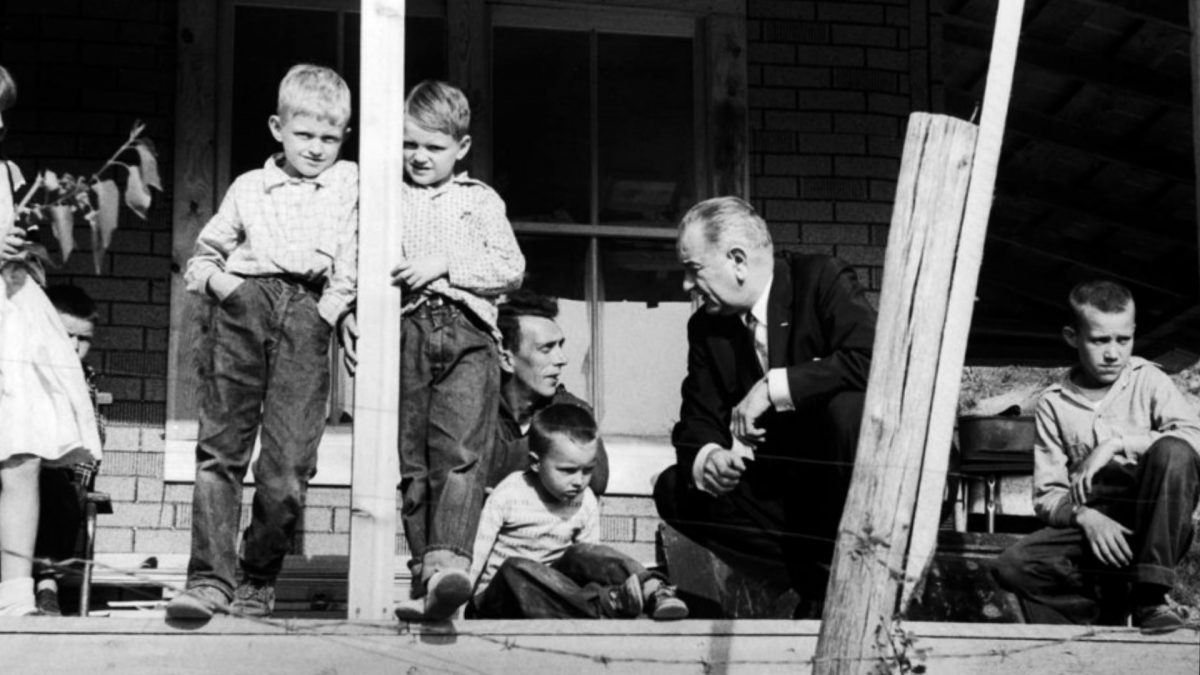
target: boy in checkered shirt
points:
(278, 262)
(460, 254)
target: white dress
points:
(45, 408)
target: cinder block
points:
(122, 388)
(120, 438)
(641, 552)
(315, 544)
(615, 529)
(782, 9)
(341, 520)
(113, 539)
(120, 488)
(762, 52)
(864, 212)
(150, 491)
(142, 515)
(178, 492)
(797, 210)
(842, 101)
(850, 12)
(332, 496)
(881, 125)
(860, 256)
(799, 121)
(646, 529)
(825, 55)
(828, 233)
(162, 541)
(797, 77)
(627, 506)
(318, 519)
(868, 167)
(867, 36)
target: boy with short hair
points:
(538, 553)
(460, 254)
(279, 262)
(63, 490)
(1116, 479)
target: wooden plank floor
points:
(150, 645)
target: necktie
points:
(758, 333)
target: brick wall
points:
(86, 70)
(831, 87)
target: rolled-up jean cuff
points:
(1154, 574)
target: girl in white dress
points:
(45, 411)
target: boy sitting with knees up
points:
(1116, 476)
(537, 552)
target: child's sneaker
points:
(662, 603)
(198, 603)
(625, 601)
(47, 602)
(1157, 618)
(446, 591)
(254, 599)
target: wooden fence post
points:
(377, 386)
(931, 271)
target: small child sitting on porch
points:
(1116, 479)
(538, 553)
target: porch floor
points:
(146, 643)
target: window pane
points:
(541, 90)
(554, 266)
(647, 144)
(645, 314)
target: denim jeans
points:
(449, 389)
(576, 586)
(1054, 572)
(264, 364)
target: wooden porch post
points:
(934, 252)
(377, 385)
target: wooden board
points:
(58, 646)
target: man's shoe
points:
(198, 603)
(626, 600)
(1157, 618)
(663, 604)
(254, 599)
(47, 602)
(446, 591)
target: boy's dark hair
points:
(519, 303)
(8, 90)
(568, 419)
(72, 301)
(1106, 296)
(439, 106)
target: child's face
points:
(429, 156)
(310, 145)
(1104, 341)
(80, 331)
(566, 469)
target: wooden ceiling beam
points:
(1106, 72)
(1092, 205)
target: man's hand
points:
(1081, 482)
(348, 339)
(722, 471)
(13, 246)
(1106, 536)
(223, 284)
(414, 275)
(744, 420)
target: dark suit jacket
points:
(820, 327)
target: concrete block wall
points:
(831, 86)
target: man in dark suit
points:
(772, 403)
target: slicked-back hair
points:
(72, 301)
(439, 106)
(728, 220)
(568, 419)
(522, 302)
(8, 90)
(314, 91)
(1106, 296)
